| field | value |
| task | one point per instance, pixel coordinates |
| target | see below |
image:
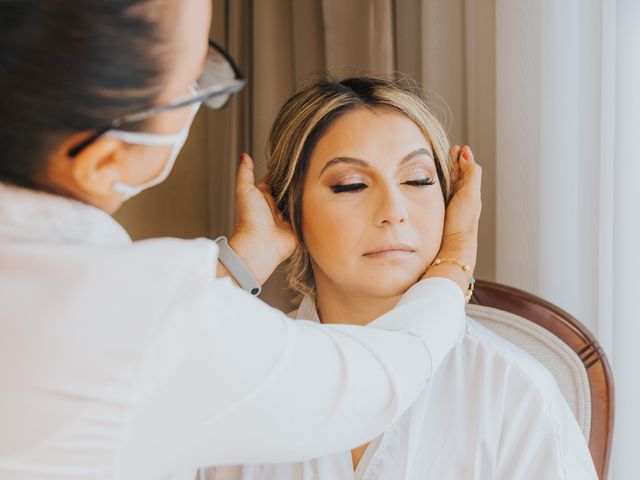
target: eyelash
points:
(351, 187)
(356, 187)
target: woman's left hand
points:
(262, 238)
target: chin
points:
(390, 285)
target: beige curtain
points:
(447, 46)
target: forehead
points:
(190, 32)
(374, 135)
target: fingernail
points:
(465, 155)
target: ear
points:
(96, 168)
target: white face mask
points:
(176, 142)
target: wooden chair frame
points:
(578, 338)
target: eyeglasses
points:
(219, 81)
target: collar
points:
(29, 215)
(307, 310)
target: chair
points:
(565, 347)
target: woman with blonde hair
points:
(363, 171)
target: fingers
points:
(266, 193)
(245, 177)
(456, 169)
(467, 160)
(466, 174)
(264, 189)
(454, 152)
(454, 156)
(462, 159)
(470, 169)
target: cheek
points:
(330, 231)
(428, 223)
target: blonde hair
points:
(301, 123)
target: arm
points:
(231, 380)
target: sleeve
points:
(231, 380)
(540, 437)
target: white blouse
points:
(490, 412)
(131, 361)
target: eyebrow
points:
(361, 163)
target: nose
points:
(391, 208)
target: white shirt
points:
(131, 361)
(491, 411)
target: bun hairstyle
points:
(301, 123)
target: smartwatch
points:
(236, 267)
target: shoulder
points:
(501, 376)
(479, 341)
(534, 415)
(510, 382)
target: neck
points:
(335, 305)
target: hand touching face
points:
(372, 206)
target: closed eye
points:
(421, 182)
(350, 187)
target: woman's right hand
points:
(460, 236)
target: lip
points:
(392, 250)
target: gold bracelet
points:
(466, 268)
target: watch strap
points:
(236, 267)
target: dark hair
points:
(72, 65)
